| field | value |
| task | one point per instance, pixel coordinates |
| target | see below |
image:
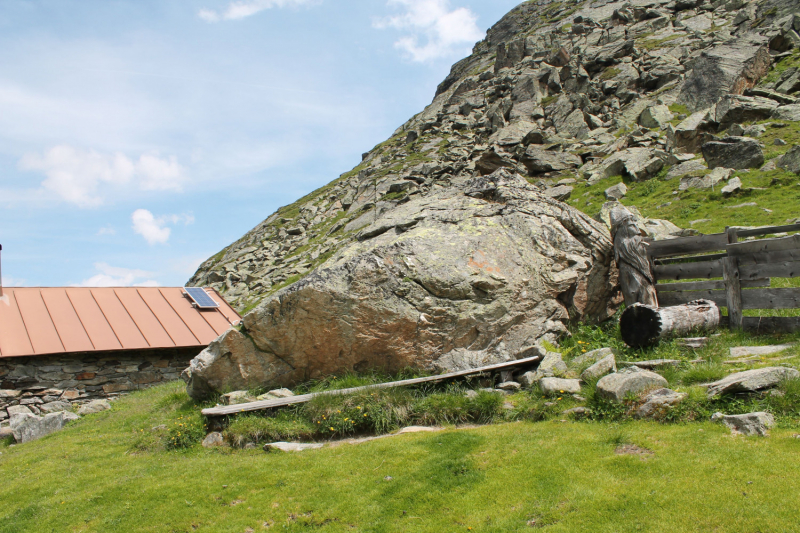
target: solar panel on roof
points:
(201, 298)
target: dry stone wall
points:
(36, 381)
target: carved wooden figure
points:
(630, 253)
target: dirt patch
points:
(632, 449)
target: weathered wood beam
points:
(765, 245)
(717, 284)
(303, 398)
(733, 286)
(771, 299)
(678, 271)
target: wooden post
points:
(733, 286)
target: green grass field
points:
(534, 468)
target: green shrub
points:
(184, 432)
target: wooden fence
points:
(745, 269)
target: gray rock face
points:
(538, 160)
(791, 160)
(733, 152)
(734, 109)
(687, 167)
(748, 424)
(729, 68)
(28, 427)
(629, 381)
(693, 132)
(752, 380)
(658, 402)
(555, 386)
(637, 163)
(655, 116)
(705, 182)
(787, 112)
(95, 406)
(615, 192)
(425, 287)
(604, 366)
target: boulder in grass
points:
(213, 440)
(615, 192)
(602, 367)
(734, 185)
(735, 109)
(629, 381)
(791, 160)
(659, 401)
(752, 380)
(733, 152)
(555, 386)
(26, 427)
(747, 424)
(95, 406)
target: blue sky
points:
(138, 138)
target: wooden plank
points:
(771, 298)
(707, 285)
(691, 258)
(767, 230)
(733, 287)
(303, 398)
(688, 245)
(764, 258)
(772, 324)
(669, 299)
(705, 269)
(787, 269)
(765, 245)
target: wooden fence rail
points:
(746, 269)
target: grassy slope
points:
(104, 473)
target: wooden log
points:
(644, 325)
(688, 245)
(765, 245)
(303, 398)
(707, 285)
(677, 271)
(772, 324)
(764, 258)
(691, 258)
(771, 299)
(733, 287)
(766, 230)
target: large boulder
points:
(469, 275)
(538, 160)
(729, 68)
(629, 381)
(752, 380)
(791, 160)
(636, 163)
(787, 112)
(27, 427)
(690, 134)
(733, 152)
(734, 109)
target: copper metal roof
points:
(37, 321)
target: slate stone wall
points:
(78, 378)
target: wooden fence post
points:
(733, 286)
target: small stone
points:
(6, 394)
(779, 142)
(292, 446)
(14, 410)
(734, 184)
(554, 386)
(95, 406)
(577, 411)
(658, 401)
(213, 439)
(604, 366)
(747, 424)
(616, 192)
(237, 397)
(53, 407)
(281, 393)
(509, 386)
(744, 351)
(591, 356)
(629, 381)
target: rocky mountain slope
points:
(448, 245)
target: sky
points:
(138, 137)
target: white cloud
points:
(154, 229)
(246, 8)
(15, 282)
(106, 230)
(77, 176)
(118, 277)
(435, 30)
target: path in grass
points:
(560, 476)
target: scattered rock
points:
(687, 167)
(790, 160)
(787, 112)
(538, 160)
(509, 386)
(555, 386)
(615, 192)
(733, 152)
(629, 381)
(56, 406)
(560, 192)
(693, 132)
(292, 446)
(659, 401)
(28, 427)
(693, 342)
(737, 109)
(655, 116)
(734, 185)
(752, 380)
(602, 367)
(592, 356)
(213, 439)
(6, 394)
(95, 406)
(744, 351)
(705, 182)
(747, 424)
(14, 410)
